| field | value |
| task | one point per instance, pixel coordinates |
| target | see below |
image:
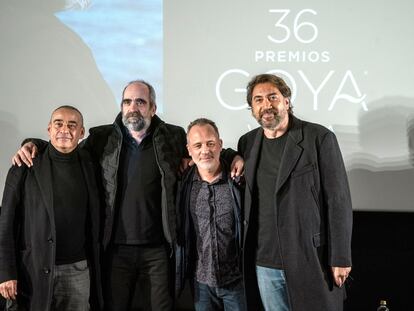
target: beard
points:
(206, 165)
(273, 122)
(134, 121)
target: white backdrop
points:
(349, 65)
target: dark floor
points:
(383, 253)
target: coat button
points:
(50, 240)
(245, 222)
(46, 270)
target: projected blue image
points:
(125, 38)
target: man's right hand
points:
(8, 289)
(25, 155)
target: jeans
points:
(71, 287)
(273, 289)
(229, 297)
(144, 266)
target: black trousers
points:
(132, 266)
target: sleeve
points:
(96, 141)
(337, 202)
(11, 201)
(183, 144)
(87, 144)
(241, 145)
(228, 155)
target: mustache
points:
(207, 156)
(64, 136)
(270, 110)
(133, 114)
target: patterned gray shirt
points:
(212, 213)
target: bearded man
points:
(139, 157)
(297, 212)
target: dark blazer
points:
(313, 211)
(185, 246)
(28, 235)
(104, 144)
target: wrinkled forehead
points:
(265, 88)
(203, 132)
(136, 89)
(66, 115)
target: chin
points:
(206, 165)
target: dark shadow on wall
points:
(381, 180)
(44, 65)
(381, 177)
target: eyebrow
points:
(273, 93)
(134, 99)
(60, 120)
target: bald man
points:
(49, 225)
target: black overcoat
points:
(28, 235)
(313, 215)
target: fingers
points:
(237, 167)
(184, 164)
(16, 160)
(235, 172)
(340, 280)
(33, 154)
(13, 290)
(9, 289)
(340, 274)
(24, 155)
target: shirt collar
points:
(223, 176)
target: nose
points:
(205, 149)
(136, 103)
(267, 103)
(65, 128)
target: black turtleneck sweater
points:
(70, 203)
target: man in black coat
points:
(49, 225)
(298, 214)
(139, 157)
(209, 243)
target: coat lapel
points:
(251, 162)
(292, 152)
(43, 173)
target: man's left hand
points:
(340, 274)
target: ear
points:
(82, 133)
(48, 128)
(287, 103)
(188, 149)
(153, 110)
(221, 143)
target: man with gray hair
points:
(139, 157)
